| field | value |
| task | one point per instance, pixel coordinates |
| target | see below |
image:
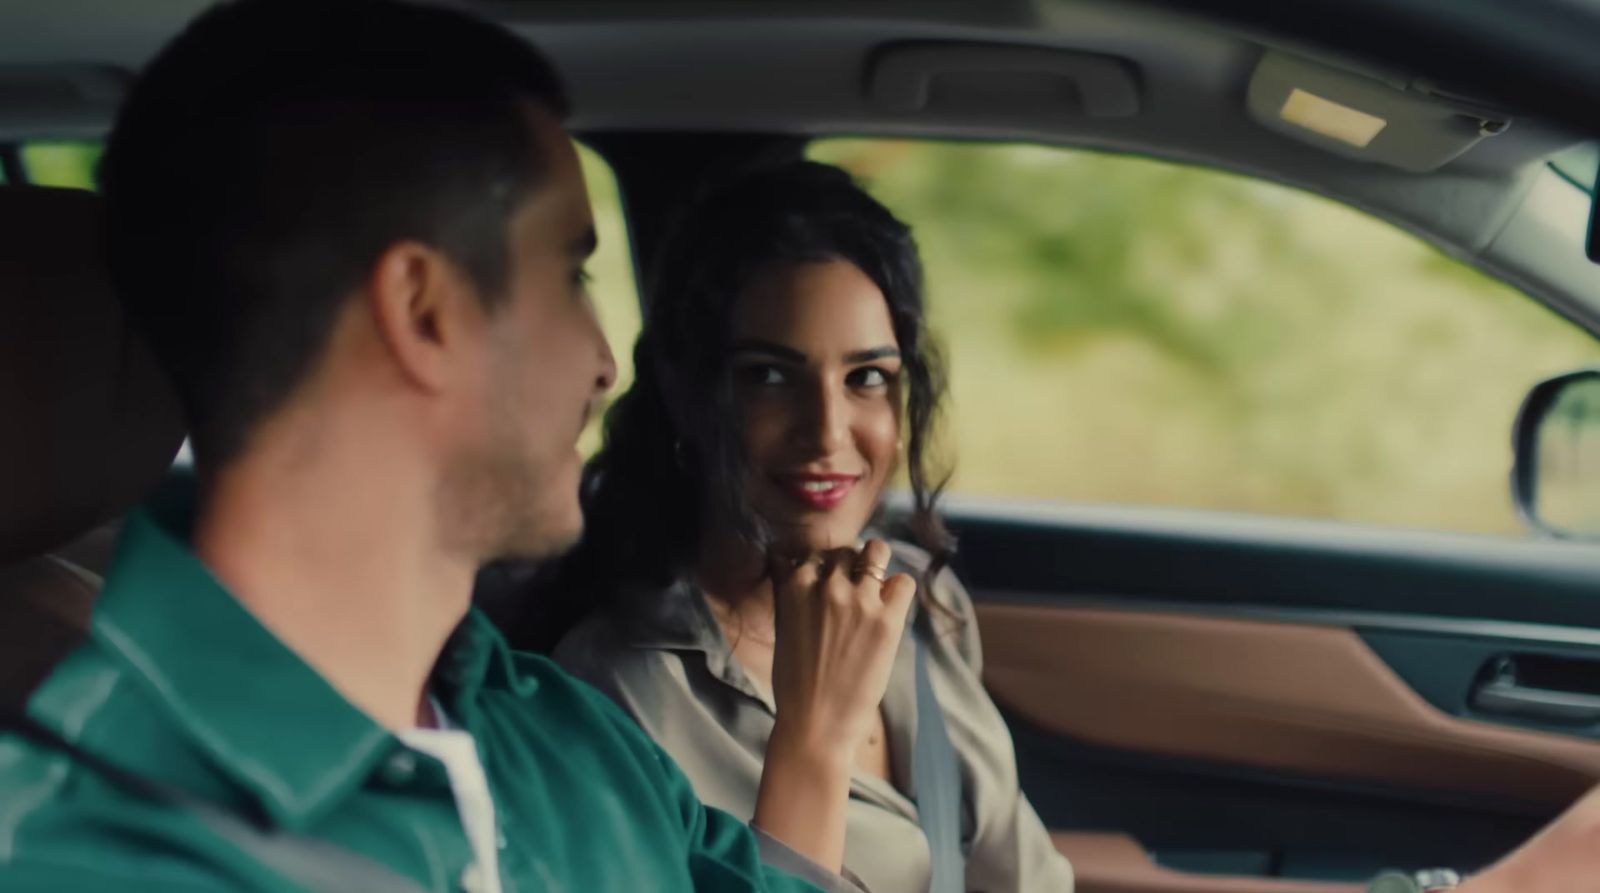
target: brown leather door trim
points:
(1116, 863)
(1306, 699)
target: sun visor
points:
(1400, 125)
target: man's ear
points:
(417, 297)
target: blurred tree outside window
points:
(1125, 330)
(65, 163)
(615, 293)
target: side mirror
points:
(1556, 481)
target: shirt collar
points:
(477, 659)
(263, 716)
(672, 619)
(677, 618)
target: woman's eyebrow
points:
(885, 352)
(770, 348)
(789, 354)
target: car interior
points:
(1200, 700)
(92, 426)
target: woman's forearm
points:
(804, 795)
(1563, 858)
(839, 624)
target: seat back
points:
(87, 422)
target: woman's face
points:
(817, 381)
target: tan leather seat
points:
(87, 423)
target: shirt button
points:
(400, 768)
(472, 878)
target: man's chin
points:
(542, 544)
(562, 543)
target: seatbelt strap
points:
(316, 865)
(936, 773)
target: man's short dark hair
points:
(270, 154)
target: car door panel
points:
(1314, 700)
(1116, 863)
(1456, 673)
(1263, 699)
(1224, 818)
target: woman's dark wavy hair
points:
(672, 456)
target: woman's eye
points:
(763, 376)
(871, 377)
(582, 279)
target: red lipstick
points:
(818, 492)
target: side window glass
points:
(615, 293)
(1125, 330)
(66, 163)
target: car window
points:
(611, 271)
(69, 163)
(1124, 330)
(1579, 165)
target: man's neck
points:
(344, 567)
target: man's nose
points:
(607, 377)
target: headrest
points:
(88, 424)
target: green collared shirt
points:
(179, 683)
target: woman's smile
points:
(818, 492)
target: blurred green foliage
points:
(1127, 330)
(615, 294)
(61, 163)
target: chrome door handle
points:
(1504, 695)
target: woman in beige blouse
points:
(784, 378)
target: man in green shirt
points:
(354, 233)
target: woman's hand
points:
(839, 621)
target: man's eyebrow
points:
(585, 245)
(760, 346)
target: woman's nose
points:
(827, 420)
